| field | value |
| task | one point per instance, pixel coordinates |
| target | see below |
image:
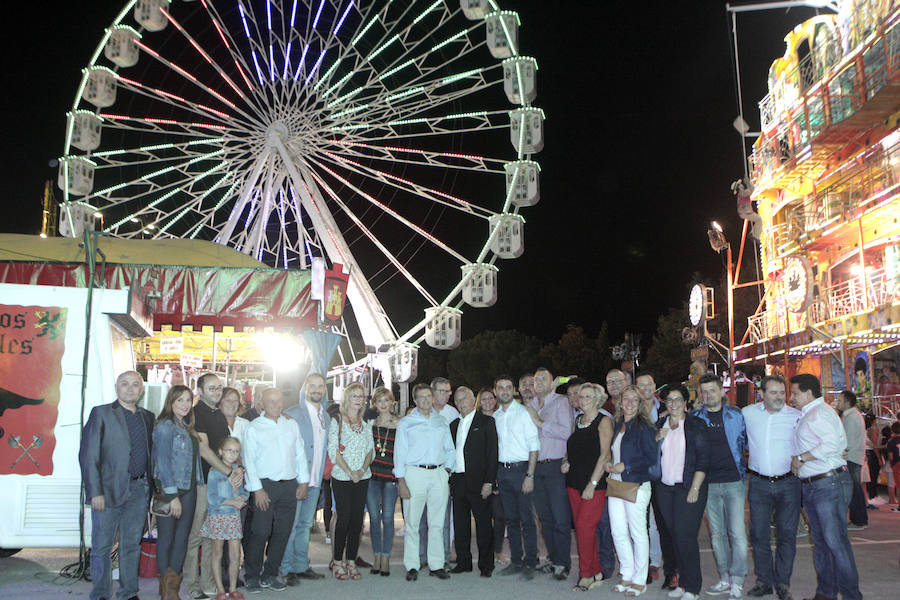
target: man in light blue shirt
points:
(424, 457)
(770, 440)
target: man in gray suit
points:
(313, 421)
(115, 468)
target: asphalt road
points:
(32, 574)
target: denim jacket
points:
(174, 458)
(218, 490)
(735, 432)
(639, 450)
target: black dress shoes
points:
(412, 575)
(759, 590)
(460, 569)
(439, 573)
(670, 582)
(487, 572)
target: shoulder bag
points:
(625, 490)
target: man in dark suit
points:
(115, 469)
(475, 437)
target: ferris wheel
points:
(394, 138)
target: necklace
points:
(381, 440)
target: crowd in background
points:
(631, 468)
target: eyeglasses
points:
(235, 450)
(215, 388)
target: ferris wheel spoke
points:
(397, 216)
(429, 126)
(411, 187)
(152, 153)
(250, 181)
(420, 157)
(181, 103)
(229, 42)
(372, 238)
(165, 126)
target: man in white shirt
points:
(472, 481)
(826, 489)
(855, 430)
(518, 442)
(313, 420)
(423, 459)
(277, 476)
(770, 440)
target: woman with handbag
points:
(351, 448)
(681, 491)
(587, 451)
(177, 473)
(634, 452)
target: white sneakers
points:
(723, 587)
(737, 592)
(676, 593)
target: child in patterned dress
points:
(223, 521)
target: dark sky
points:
(639, 155)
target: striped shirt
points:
(383, 466)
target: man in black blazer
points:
(475, 437)
(116, 471)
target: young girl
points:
(223, 521)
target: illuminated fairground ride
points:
(375, 134)
(826, 175)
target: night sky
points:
(639, 155)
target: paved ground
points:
(31, 574)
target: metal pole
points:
(733, 388)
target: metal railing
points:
(790, 123)
(852, 296)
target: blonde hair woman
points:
(382, 495)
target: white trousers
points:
(429, 489)
(628, 523)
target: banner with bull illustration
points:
(32, 341)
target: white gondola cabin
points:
(443, 330)
(85, 127)
(404, 362)
(502, 33)
(149, 15)
(74, 219)
(524, 175)
(76, 174)
(475, 9)
(509, 240)
(520, 72)
(121, 48)
(526, 129)
(100, 87)
(480, 287)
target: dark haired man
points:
(819, 441)
(727, 492)
(770, 440)
(855, 430)
(518, 443)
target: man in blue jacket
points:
(313, 420)
(727, 492)
(115, 469)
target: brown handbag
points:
(626, 490)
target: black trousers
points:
(874, 467)
(683, 521)
(670, 563)
(172, 534)
(350, 501)
(466, 505)
(276, 523)
(499, 519)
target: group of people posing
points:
(629, 465)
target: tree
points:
(478, 360)
(668, 357)
(578, 354)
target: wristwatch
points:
(594, 482)
(529, 475)
(800, 458)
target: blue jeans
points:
(826, 502)
(128, 520)
(606, 551)
(552, 503)
(296, 553)
(519, 511)
(784, 498)
(725, 513)
(381, 502)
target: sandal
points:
(583, 587)
(352, 571)
(596, 582)
(338, 570)
(635, 590)
(235, 595)
(622, 586)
